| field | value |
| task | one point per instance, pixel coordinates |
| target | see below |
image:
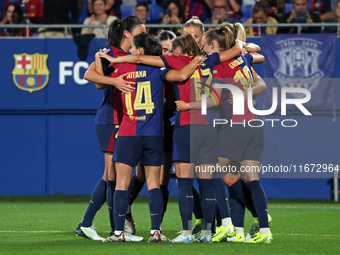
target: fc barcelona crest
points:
(30, 72)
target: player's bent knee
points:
(251, 179)
(229, 181)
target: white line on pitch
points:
(292, 234)
(34, 231)
(275, 234)
(303, 207)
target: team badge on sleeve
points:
(30, 72)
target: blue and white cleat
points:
(132, 238)
(185, 237)
(88, 232)
(205, 237)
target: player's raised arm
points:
(185, 72)
(96, 75)
(95, 69)
(233, 52)
(103, 81)
(135, 59)
(99, 69)
(257, 58)
(252, 48)
(259, 85)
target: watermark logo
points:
(204, 97)
(239, 104)
(238, 100)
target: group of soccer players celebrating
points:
(134, 130)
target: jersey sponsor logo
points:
(142, 118)
(30, 72)
(298, 66)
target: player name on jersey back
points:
(237, 62)
(135, 75)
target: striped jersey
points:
(143, 108)
(192, 89)
(238, 72)
(110, 111)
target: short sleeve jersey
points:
(192, 89)
(236, 71)
(143, 108)
(110, 111)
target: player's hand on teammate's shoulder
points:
(244, 51)
(199, 58)
(103, 54)
(100, 52)
(240, 43)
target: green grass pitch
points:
(45, 225)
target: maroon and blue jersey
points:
(231, 14)
(238, 72)
(191, 90)
(143, 108)
(110, 111)
(319, 6)
(198, 8)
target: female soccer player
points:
(240, 193)
(166, 38)
(217, 42)
(195, 27)
(241, 143)
(184, 47)
(140, 136)
(107, 120)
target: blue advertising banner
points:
(47, 114)
(47, 75)
(300, 61)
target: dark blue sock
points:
(236, 204)
(111, 186)
(185, 201)
(208, 201)
(155, 207)
(260, 202)
(248, 199)
(165, 195)
(221, 198)
(97, 200)
(214, 223)
(197, 204)
(134, 188)
(218, 216)
(120, 206)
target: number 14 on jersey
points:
(143, 92)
